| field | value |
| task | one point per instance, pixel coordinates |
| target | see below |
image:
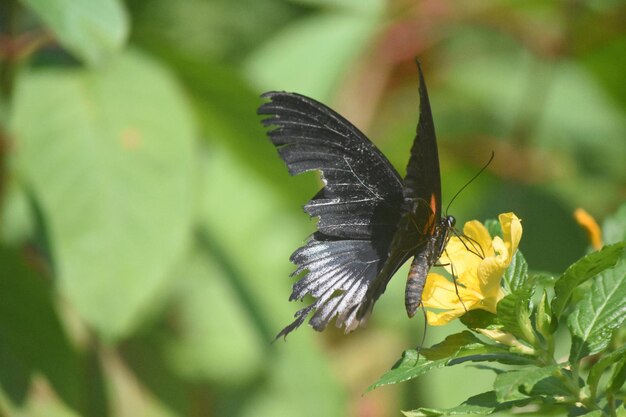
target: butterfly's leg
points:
(456, 287)
(476, 249)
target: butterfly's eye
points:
(451, 221)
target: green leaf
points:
(481, 404)
(109, 161)
(514, 314)
(44, 406)
(614, 227)
(493, 227)
(582, 270)
(16, 218)
(621, 411)
(31, 335)
(372, 6)
(543, 318)
(253, 274)
(226, 108)
(596, 371)
(523, 384)
(291, 60)
(479, 319)
(596, 413)
(313, 392)
(455, 349)
(599, 312)
(410, 366)
(616, 381)
(541, 278)
(516, 275)
(277, 233)
(93, 30)
(206, 346)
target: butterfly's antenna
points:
(471, 180)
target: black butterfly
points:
(370, 220)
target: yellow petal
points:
(511, 231)
(587, 222)
(439, 292)
(439, 319)
(457, 259)
(479, 235)
(489, 276)
(503, 255)
(490, 302)
(476, 238)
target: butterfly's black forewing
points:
(421, 224)
(362, 190)
(423, 179)
(358, 209)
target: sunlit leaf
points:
(514, 314)
(455, 349)
(516, 274)
(292, 61)
(216, 340)
(312, 392)
(481, 404)
(107, 155)
(599, 313)
(226, 106)
(519, 384)
(254, 237)
(91, 29)
(582, 270)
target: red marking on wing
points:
(433, 203)
(429, 227)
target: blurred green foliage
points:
(146, 222)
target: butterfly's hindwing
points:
(340, 272)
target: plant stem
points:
(611, 402)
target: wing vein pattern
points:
(358, 210)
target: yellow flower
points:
(477, 277)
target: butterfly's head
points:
(449, 222)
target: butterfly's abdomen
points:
(415, 282)
(424, 259)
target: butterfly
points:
(371, 221)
